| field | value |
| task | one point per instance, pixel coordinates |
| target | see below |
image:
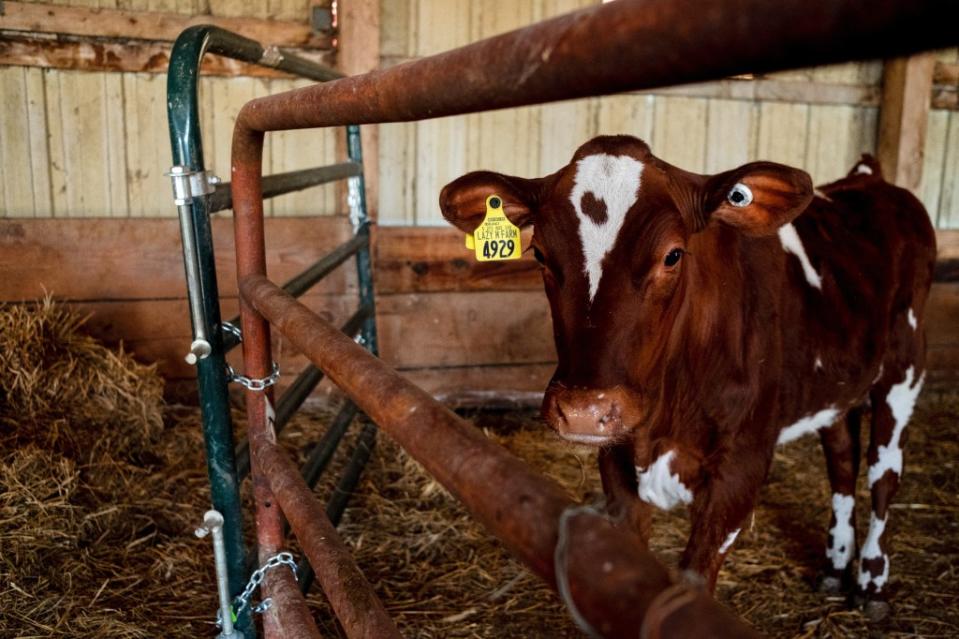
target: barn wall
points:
(939, 189)
(94, 145)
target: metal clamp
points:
(355, 202)
(243, 599)
(272, 56)
(232, 329)
(188, 184)
(252, 383)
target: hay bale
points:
(38, 517)
(61, 389)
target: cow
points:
(701, 320)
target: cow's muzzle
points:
(591, 416)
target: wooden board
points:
(89, 260)
(454, 323)
(904, 114)
(150, 25)
(130, 56)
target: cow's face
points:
(618, 234)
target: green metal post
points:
(184, 119)
(358, 210)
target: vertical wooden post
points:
(358, 51)
(903, 113)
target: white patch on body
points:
(614, 179)
(843, 536)
(901, 400)
(730, 538)
(872, 550)
(864, 169)
(792, 244)
(911, 318)
(822, 195)
(818, 365)
(808, 424)
(659, 486)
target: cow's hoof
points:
(876, 610)
(830, 585)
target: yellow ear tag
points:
(496, 238)
(470, 243)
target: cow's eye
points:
(740, 195)
(672, 258)
(538, 255)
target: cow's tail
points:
(866, 166)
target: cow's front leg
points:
(618, 472)
(718, 513)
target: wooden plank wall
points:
(81, 145)
(939, 186)
(96, 144)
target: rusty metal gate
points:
(612, 586)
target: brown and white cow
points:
(700, 320)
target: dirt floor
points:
(125, 563)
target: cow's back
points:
(872, 247)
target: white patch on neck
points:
(615, 180)
(843, 537)
(730, 538)
(818, 364)
(808, 424)
(792, 244)
(659, 486)
(864, 169)
(911, 318)
(901, 400)
(872, 550)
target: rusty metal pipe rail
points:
(357, 607)
(612, 581)
(300, 284)
(609, 48)
(296, 394)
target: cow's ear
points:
(758, 198)
(463, 201)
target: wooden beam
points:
(903, 114)
(358, 51)
(148, 25)
(135, 56)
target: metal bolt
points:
(213, 524)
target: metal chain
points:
(233, 329)
(254, 384)
(243, 599)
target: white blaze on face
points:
(793, 244)
(614, 180)
(659, 486)
(911, 318)
(808, 424)
(842, 535)
(901, 400)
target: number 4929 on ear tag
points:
(496, 238)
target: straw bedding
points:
(101, 486)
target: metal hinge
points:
(189, 184)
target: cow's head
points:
(623, 241)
